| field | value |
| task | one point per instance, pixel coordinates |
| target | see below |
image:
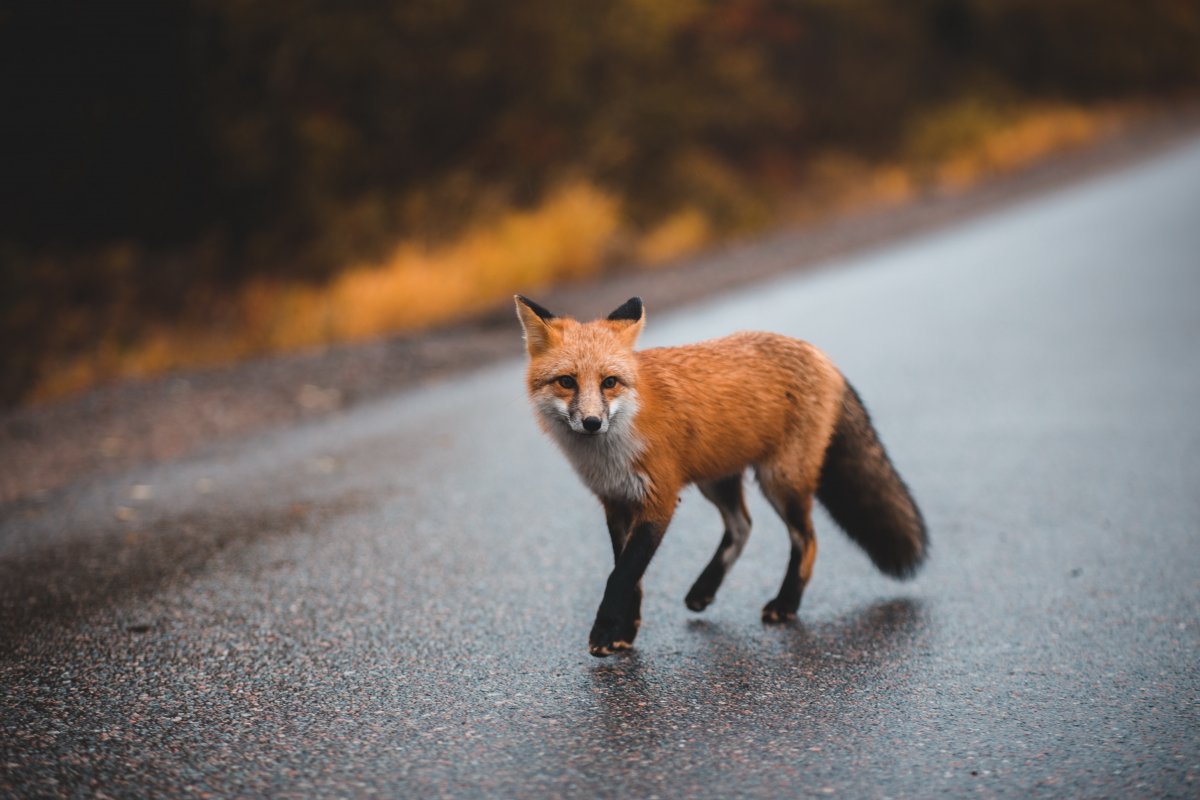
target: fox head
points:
(582, 375)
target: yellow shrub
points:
(679, 235)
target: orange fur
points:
(714, 408)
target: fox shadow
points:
(877, 630)
(810, 666)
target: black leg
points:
(785, 605)
(800, 563)
(705, 588)
(616, 620)
(726, 495)
(619, 517)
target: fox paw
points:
(607, 638)
(776, 612)
(701, 595)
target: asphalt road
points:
(395, 600)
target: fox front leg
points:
(618, 617)
(618, 516)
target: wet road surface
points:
(395, 600)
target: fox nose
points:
(591, 424)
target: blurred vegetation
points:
(189, 181)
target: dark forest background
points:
(218, 140)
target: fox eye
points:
(608, 382)
(566, 382)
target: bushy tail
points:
(863, 493)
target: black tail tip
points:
(902, 557)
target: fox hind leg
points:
(726, 494)
(795, 507)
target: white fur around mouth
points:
(604, 459)
(582, 431)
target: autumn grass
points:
(415, 287)
(577, 232)
(950, 149)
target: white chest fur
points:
(606, 462)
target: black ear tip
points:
(541, 311)
(630, 310)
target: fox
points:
(638, 426)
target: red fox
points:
(639, 426)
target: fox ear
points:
(535, 320)
(629, 318)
